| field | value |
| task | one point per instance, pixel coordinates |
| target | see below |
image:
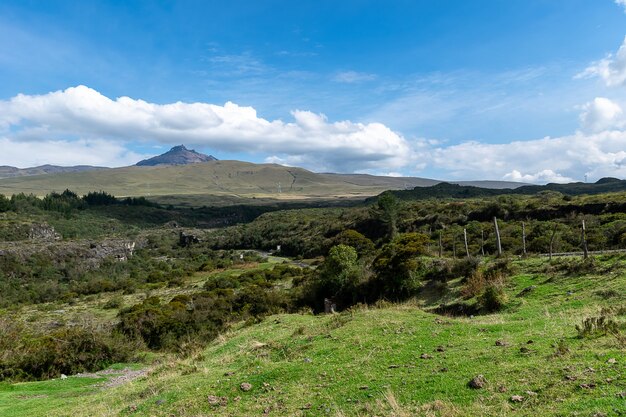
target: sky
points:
(525, 90)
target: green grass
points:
(368, 362)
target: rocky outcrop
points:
(43, 233)
(178, 155)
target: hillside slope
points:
(234, 178)
(11, 172)
(390, 361)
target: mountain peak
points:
(178, 155)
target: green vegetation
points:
(391, 360)
(215, 324)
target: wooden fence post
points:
(498, 242)
(465, 238)
(584, 241)
(523, 238)
(482, 242)
(552, 240)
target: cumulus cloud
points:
(352, 77)
(601, 114)
(545, 176)
(560, 159)
(66, 153)
(621, 3)
(83, 113)
(611, 69)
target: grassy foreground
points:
(395, 360)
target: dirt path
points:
(118, 376)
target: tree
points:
(387, 208)
(397, 263)
(339, 270)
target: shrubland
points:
(172, 297)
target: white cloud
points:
(601, 114)
(83, 113)
(66, 153)
(559, 159)
(545, 176)
(352, 77)
(612, 69)
(621, 3)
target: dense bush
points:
(69, 350)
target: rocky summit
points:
(178, 155)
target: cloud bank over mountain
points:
(83, 113)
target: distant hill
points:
(12, 172)
(217, 178)
(448, 190)
(178, 155)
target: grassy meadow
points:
(388, 359)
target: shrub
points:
(597, 326)
(64, 351)
(474, 286)
(493, 297)
(465, 267)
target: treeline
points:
(67, 201)
(456, 191)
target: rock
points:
(531, 393)
(245, 386)
(308, 360)
(364, 387)
(612, 361)
(524, 350)
(530, 342)
(230, 373)
(502, 389)
(517, 398)
(570, 378)
(159, 402)
(501, 343)
(440, 349)
(588, 386)
(526, 290)
(43, 232)
(478, 382)
(425, 356)
(217, 401)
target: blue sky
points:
(434, 88)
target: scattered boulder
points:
(526, 290)
(245, 386)
(43, 232)
(425, 356)
(612, 361)
(516, 398)
(478, 382)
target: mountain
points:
(178, 155)
(11, 172)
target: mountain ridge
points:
(177, 155)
